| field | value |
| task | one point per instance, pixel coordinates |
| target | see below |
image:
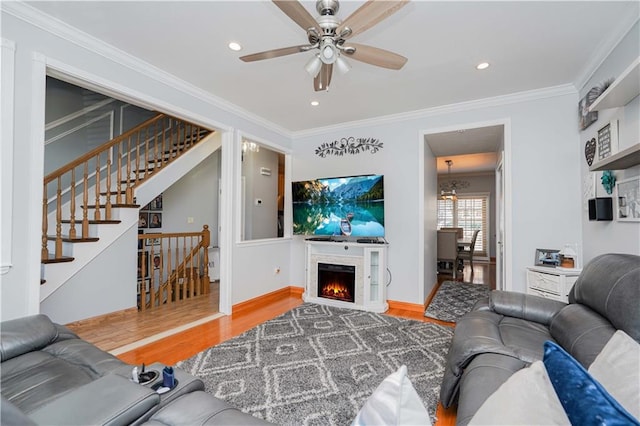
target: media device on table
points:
(350, 206)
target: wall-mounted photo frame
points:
(155, 220)
(156, 203)
(628, 200)
(147, 285)
(152, 242)
(607, 140)
(143, 220)
(588, 118)
(547, 257)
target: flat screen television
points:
(351, 206)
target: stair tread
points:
(118, 206)
(68, 239)
(52, 259)
(95, 222)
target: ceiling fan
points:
(329, 36)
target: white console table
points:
(552, 283)
(370, 261)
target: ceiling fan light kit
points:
(328, 35)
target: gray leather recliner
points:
(49, 376)
(505, 333)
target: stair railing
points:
(172, 266)
(134, 155)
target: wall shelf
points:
(622, 90)
(621, 160)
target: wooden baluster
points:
(129, 193)
(97, 209)
(152, 275)
(59, 218)
(170, 288)
(155, 145)
(85, 201)
(44, 251)
(107, 208)
(190, 271)
(72, 205)
(137, 168)
(184, 268)
(146, 152)
(198, 278)
(164, 140)
(119, 174)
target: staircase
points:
(91, 201)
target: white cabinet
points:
(552, 283)
(370, 262)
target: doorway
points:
(469, 162)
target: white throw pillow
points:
(526, 398)
(617, 368)
(394, 402)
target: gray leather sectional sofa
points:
(50, 376)
(506, 333)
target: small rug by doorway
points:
(454, 299)
(317, 364)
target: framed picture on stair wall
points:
(156, 203)
(143, 220)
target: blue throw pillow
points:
(584, 400)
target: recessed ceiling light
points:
(315, 103)
(482, 66)
(235, 46)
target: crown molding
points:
(604, 49)
(50, 24)
(525, 96)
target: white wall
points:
(194, 196)
(261, 221)
(99, 284)
(614, 236)
(542, 150)
(41, 44)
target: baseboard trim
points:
(259, 301)
(405, 306)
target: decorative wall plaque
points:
(349, 145)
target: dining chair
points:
(465, 254)
(447, 250)
(460, 231)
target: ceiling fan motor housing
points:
(327, 7)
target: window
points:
(468, 212)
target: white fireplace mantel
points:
(371, 267)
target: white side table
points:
(552, 283)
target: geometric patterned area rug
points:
(454, 299)
(317, 364)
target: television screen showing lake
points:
(349, 206)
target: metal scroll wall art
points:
(349, 145)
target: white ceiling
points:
(471, 150)
(530, 45)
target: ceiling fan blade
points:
(376, 56)
(275, 53)
(369, 14)
(322, 80)
(296, 11)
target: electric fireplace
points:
(336, 281)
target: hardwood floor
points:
(111, 333)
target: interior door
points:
(500, 264)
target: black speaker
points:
(601, 208)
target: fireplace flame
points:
(336, 290)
